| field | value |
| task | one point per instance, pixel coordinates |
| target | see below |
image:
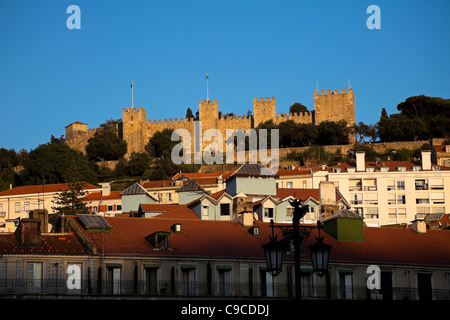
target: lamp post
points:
(320, 251)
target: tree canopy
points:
(52, 161)
(106, 143)
(297, 107)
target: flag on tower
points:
(131, 84)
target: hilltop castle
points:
(136, 130)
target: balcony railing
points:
(145, 289)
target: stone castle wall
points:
(137, 130)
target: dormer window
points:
(337, 170)
(384, 169)
(370, 169)
(401, 168)
(159, 240)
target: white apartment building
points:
(392, 192)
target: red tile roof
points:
(440, 148)
(203, 175)
(157, 184)
(51, 244)
(48, 188)
(114, 195)
(203, 238)
(293, 172)
(301, 194)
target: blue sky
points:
(51, 76)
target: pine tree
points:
(69, 202)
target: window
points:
(159, 239)
(307, 284)
(422, 200)
(188, 284)
(119, 207)
(268, 212)
(114, 275)
(386, 285)
(424, 284)
(304, 184)
(266, 280)
(421, 184)
(26, 206)
(346, 280)
(436, 184)
(169, 197)
(225, 209)
(34, 277)
(370, 185)
(290, 211)
(110, 208)
(76, 283)
(371, 213)
(150, 279)
(401, 199)
(205, 210)
(224, 280)
(390, 185)
(355, 185)
(400, 184)
(289, 185)
(94, 209)
(357, 199)
(17, 206)
(401, 213)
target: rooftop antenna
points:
(317, 85)
(132, 102)
(207, 91)
(349, 85)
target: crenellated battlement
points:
(330, 92)
(333, 105)
(170, 120)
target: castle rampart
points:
(137, 130)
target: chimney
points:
(243, 208)
(419, 226)
(426, 160)
(28, 233)
(360, 161)
(327, 199)
(42, 215)
(106, 189)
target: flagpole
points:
(207, 90)
(132, 102)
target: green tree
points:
(189, 114)
(297, 107)
(160, 142)
(364, 131)
(51, 161)
(138, 163)
(333, 133)
(68, 202)
(106, 143)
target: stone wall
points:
(137, 131)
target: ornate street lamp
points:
(273, 251)
(320, 252)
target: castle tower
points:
(334, 106)
(74, 130)
(208, 114)
(264, 110)
(134, 123)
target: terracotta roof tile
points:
(200, 238)
(48, 188)
(114, 195)
(51, 244)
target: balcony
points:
(45, 289)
